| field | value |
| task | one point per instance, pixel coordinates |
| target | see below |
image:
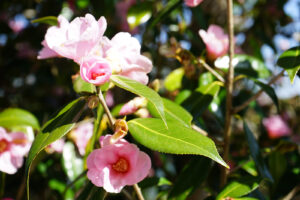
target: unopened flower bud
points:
(121, 130)
(93, 102)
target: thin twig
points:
(200, 130)
(106, 109)
(246, 103)
(138, 192)
(229, 89)
(211, 70)
(292, 193)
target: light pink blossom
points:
(216, 41)
(117, 165)
(81, 135)
(56, 146)
(95, 70)
(132, 106)
(276, 127)
(192, 3)
(13, 147)
(73, 40)
(123, 52)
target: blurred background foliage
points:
(168, 32)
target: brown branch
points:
(211, 70)
(229, 88)
(106, 109)
(246, 103)
(138, 192)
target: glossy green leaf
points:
(173, 112)
(54, 129)
(239, 188)
(173, 80)
(80, 86)
(199, 100)
(192, 176)
(182, 96)
(72, 165)
(290, 61)
(11, 117)
(250, 66)
(256, 155)
(205, 79)
(51, 20)
(177, 139)
(269, 91)
(141, 90)
(164, 12)
(139, 14)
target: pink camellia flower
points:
(56, 146)
(13, 147)
(192, 3)
(276, 127)
(117, 165)
(123, 52)
(81, 135)
(132, 106)
(216, 41)
(95, 70)
(73, 40)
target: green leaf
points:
(205, 79)
(177, 139)
(173, 112)
(171, 5)
(80, 86)
(239, 188)
(51, 20)
(91, 192)
(54, 129)
(255, 154)
(141, 90)
(290, 61)
(139, 14)
(182, 96)
(193, 174)
(250, 66)
(250, 167)
(72, 165)
(11, 117)
(269, 91)
(277, 165)
(173, 80)
(199, 100)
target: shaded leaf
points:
(11, 117)
(53, 130)
(173, 80)
(239, 188)
(173, 112)
(51, 20)
(139, 14)
(255, 154)
(277, 165)
(177, 139)
(250, 66)
(193, 174)
(141, 90)
(290, 61)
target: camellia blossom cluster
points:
(117, 164)
(83, 41)
(13, 147)
(216, 41)
(276, 127)
(192, 3)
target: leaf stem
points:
(246, 103)
(229, 88)
(211, 70)
(106, 109)
(138, 192)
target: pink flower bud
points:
(117, 165)
(192, 3)
(95, 70)
(216, 41)
(13, 147)
(276, 127)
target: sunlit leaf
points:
(290, 61)
(11, 117)
(139, 14)
(141, 90)
(256, 155)
(173, 80)
(177, 139)
(173, 112)
(51, 20)
(81, 86)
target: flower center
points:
(19, 141)
(3, 145)
(121, 165)
(95, 75)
